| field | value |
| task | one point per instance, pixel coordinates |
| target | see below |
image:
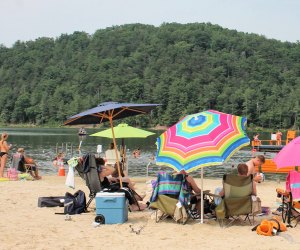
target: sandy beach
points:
(24, 225)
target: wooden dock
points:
(272, 145)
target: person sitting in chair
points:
(27, 164)
(105, 179)
(115, 176)
(242, 169)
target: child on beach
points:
(59, 160)
(257, 161)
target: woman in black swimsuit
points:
(4, 148)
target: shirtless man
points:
(257, 161)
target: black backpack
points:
(75, 203)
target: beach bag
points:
(75, 203)
(12, 174)
(70, 180)
(208, 206)
(52, 201)
(256, 206)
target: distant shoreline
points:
(105, 126)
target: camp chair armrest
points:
(282, 192)
(30, 165)
(207, 192)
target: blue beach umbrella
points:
(109, 111)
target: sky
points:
(30, 19)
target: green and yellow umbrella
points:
(123, 131)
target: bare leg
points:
(2, 165)
(193, 184)
(130, 183)
(139, 197)
(139, 207)
(37, 174)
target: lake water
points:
(42, 144)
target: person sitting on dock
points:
(257, 161)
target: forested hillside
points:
(187, 68)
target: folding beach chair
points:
(90, 173)
(170, 197)
(237, 200)
(290, 207)
(18, 163)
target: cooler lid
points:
(107, 194)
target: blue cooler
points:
(111, 208)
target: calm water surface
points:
(42, 145)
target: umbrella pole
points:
(124, 157)
(202, 205)
(116, 150)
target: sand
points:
(24, 225)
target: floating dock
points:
(268, 148)
(270, 167)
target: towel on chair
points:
(167, 184)
(293, 184)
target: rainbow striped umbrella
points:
(204, 139)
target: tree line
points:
(187, 68)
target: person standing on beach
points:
(257, 161)
(4, 148)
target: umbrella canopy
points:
(109, 111)
(204, 139)
(123, 130)
(289, 156)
